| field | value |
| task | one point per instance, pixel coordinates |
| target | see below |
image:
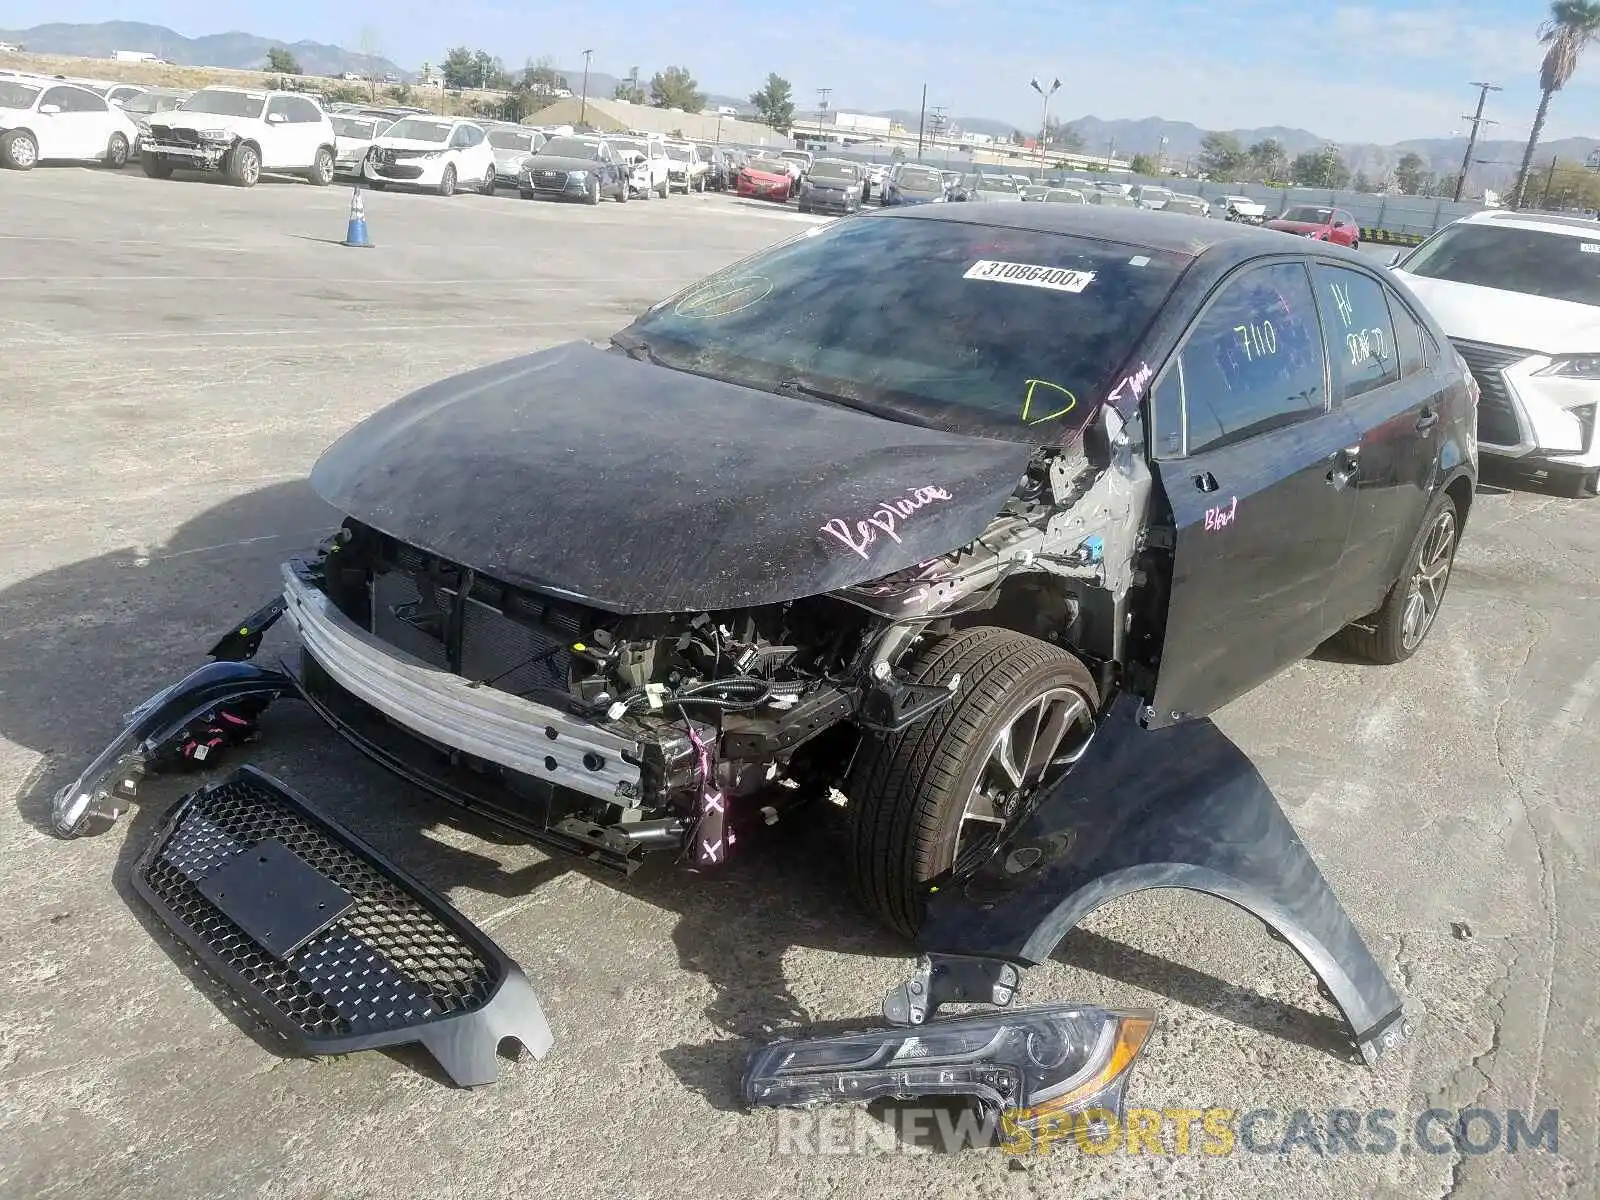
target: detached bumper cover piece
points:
(1037, 1066)
(361, 955)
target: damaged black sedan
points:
(895, 512)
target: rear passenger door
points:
(1391, 399)
(1254, 464)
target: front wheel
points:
(321, 172)
(1395, 632)
(156, 168)
(117, 152)
(489, 182)
(244, 165)
(623, 191)
(665, 190)
(1022, 715)
(18, 150)
(593, 195)
(447, 181)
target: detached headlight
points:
(1573, 366)
(1038, 1066)
(215, 135)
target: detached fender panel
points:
(1176, 807)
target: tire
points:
(447, 181)
(623, 191)
(1386, 636)
(666, 190)
(156, 168)
(909, 792)
(377, 185)
(116, 152)
(488, 186)
(593, 196)
(321, 172)
(18, 150)
(525, 194)
(1575, 484)
(244, 165)
(648, 193)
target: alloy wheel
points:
(1430, 574)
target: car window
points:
(1355, 317)
(1253, 361)
(458, 139)
(1534, 262)
(301, 111)
(1413, 342)
(1009, 333)
(475, 136)
(277, 105)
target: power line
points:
(1476, 119)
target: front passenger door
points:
(1255, 466)
(278, 138)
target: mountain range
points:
(1178, 141)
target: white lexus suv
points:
(1519, 296)
(241, 132)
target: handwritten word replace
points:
(885, 519)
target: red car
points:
(765, 179)
(1324, 224)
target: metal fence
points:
(1403, 220)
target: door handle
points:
(1427, 420)
(1346, 466)
(1205, 481)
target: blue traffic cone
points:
(356, 233)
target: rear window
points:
(505, 139)
(221, 103)
(345, 127)
(831, 170)
(1310, 214)
(1014, 334)
(1553, 265)
(414, 130)
(921, 179)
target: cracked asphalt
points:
(177, 354)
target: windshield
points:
(834, 170)
(225, 104)
(1530, 261)
(996, 183)
(1309, 213)
(345, 127)
(571, 147)
(17, 95)
(921, 179)
(707, 151)
(1155, 193)
(149, 102)
(1014, 334)
(773, 166)
(797, 155)
(420, 131)
(678, 153)
(506, 139)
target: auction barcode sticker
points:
(1057, 279)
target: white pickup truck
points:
(242, 132)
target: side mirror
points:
(276, 118)
(49, 109)
(1394, 258)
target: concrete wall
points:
(613, 116)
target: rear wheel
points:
(244, 165)
(156, 168)
(488, 183)
(321, 172)
(1396, 631)
(18, 150)
(1022, 715)
(1576, 484)
(665, 190)
(116, 152)
(623, 190)
(447, 181)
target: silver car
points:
(513, 146)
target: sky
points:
(1348, 71)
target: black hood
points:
(636, 488)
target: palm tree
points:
(1572, 25)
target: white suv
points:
(686, 170)
(1519, 296)
(241, 133)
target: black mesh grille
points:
(1497, 419)
(389, 963)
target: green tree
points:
(1565, 34)
(282, 62)
(1361, 183)
(1221, 156)
(1143, 164)
(1267, 158)
(676, 88)
(630, 89)
(1409, 172)
(774, 103)
(1322, 168)
(459, 68)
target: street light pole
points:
(1044, 120)
(1477, 119)
(583, 102)
(922, 118)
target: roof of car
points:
(1547, 222)
(1170, 232)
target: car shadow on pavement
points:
(84, 643)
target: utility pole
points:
(583, 103)
(922, 117)
(1477, 119)
(938, 121)
(1549, 178)
(822, 105)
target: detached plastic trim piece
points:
(401, 965)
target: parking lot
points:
(177, 355)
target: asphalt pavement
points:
(176, 354)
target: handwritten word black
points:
(885, 518)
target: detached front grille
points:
(386, 963)
(1497, 417)
(187, 138)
